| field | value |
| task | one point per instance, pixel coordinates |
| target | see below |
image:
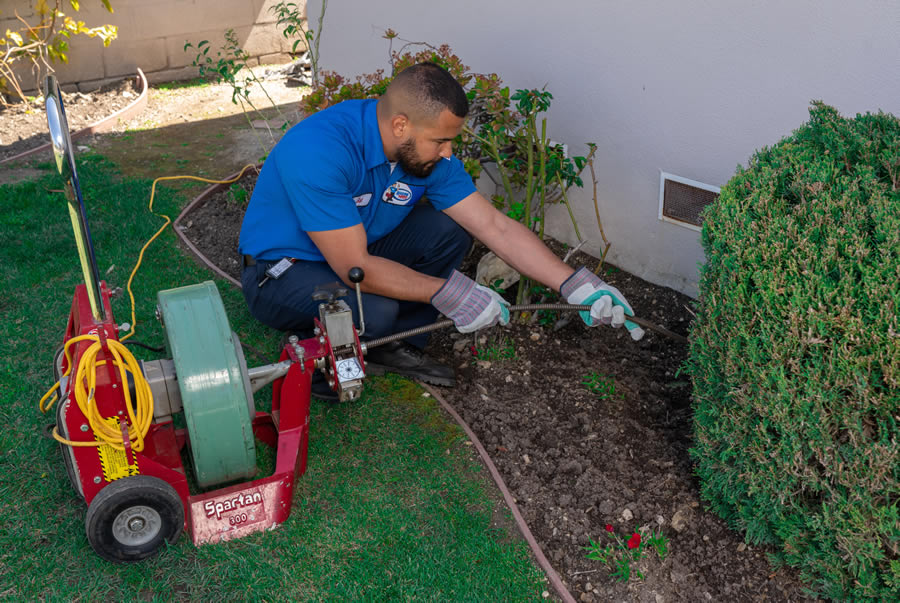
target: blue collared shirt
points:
(329, 172)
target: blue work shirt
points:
(329, 172)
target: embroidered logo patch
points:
(401, 193)
(362, 200)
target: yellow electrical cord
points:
(140, 414)
(162, 228)
(139, 417)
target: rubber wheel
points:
(133, 517)
(66, 451)
(57, 366)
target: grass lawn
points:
(393, 506)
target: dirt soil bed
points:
(576, 460)
(24, 126)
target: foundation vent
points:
(682, 200)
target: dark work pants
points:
(427, 241)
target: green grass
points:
(393, 505)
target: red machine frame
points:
(217, 515)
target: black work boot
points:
(321, 390)
(404, 359)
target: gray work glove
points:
(608, 305)
(470, 306)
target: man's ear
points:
(399, 125)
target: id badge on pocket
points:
(280, 267)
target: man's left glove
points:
(469, 305)
(608, 305)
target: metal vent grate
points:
(682, 200)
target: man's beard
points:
(408, 160)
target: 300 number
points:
(237, 519)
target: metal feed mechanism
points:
(114, 417)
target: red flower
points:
(609, 528)
(474, 350)
(635, 541)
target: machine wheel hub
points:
(136, 525)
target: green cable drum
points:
(213, 381)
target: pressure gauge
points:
(349, 369)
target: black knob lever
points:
(356, 276)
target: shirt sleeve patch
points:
(362, 200)
(401, 193)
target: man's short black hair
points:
(433, 89)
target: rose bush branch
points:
(606, 243)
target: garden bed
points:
(587, 427)
(24, 126)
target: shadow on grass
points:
(210, 148)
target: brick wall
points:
(152, 35)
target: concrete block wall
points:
(152, 35)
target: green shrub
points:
(795, 353)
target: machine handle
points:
(356, 276)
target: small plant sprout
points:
(619, 555)
(600, 385)
(503, 349)
(238, 193)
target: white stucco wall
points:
(691, 88)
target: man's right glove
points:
(469, 305)
(608, 305)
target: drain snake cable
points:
(140, 415)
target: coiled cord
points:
(140, 414)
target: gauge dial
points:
(349, 369)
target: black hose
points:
(520, 308)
